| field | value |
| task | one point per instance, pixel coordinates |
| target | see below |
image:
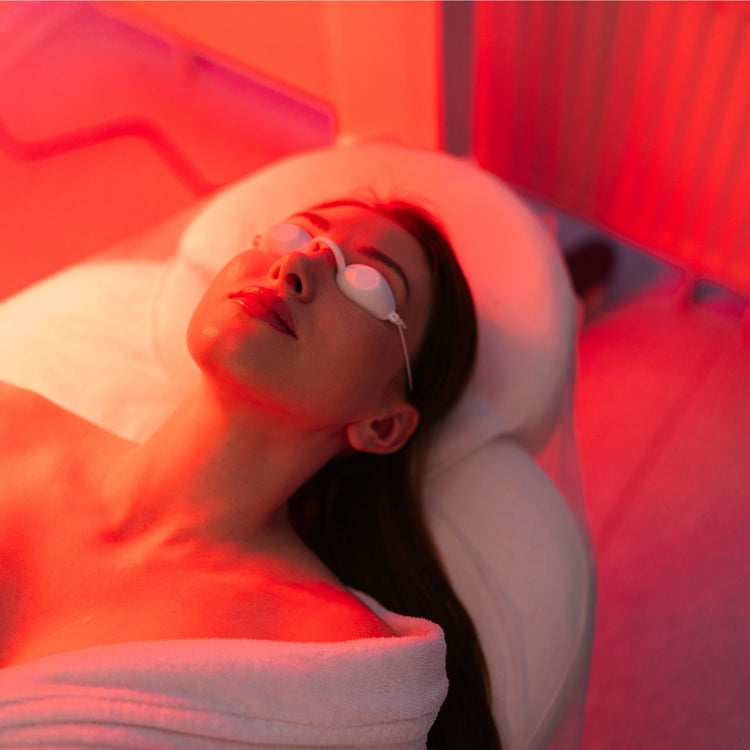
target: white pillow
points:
(523, 297)
(523, 568)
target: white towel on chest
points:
(232, 693)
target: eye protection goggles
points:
(361, 284)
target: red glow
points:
(376, 64)
(633, 115)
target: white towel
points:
(232, 693)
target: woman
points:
(290, 474)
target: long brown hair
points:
(363, 515)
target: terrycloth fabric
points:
(232, 693)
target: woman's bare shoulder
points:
(15, 397)
(268, 601)
(319, 607)
(318, 613)
(334, 614)
(37, 439)
(26, 416)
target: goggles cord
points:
(395, 318)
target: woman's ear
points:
(385, 434)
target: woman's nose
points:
(301, 273)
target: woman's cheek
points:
(249, 266)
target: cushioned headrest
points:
(525, 305)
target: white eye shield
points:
(364, 285)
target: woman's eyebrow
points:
(315, 219)
(373, 252)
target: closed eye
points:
(378, 255)
(322, 224)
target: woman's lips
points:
(269, 307)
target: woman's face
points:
(278, 332)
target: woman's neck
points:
(213, 472)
